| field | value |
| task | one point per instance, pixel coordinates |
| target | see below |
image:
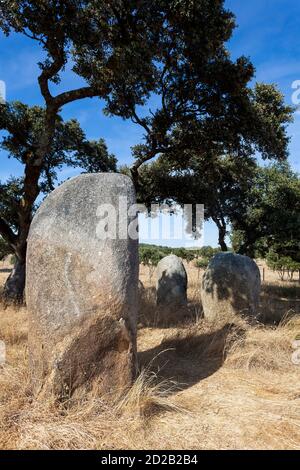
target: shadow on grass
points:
(278, 302)
(287, 292)
(187, 360)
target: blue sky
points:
(267, 32)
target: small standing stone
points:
(231, 283)
(171, 287)
(141, 288)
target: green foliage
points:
(93, 157)
(202, 263)
(157, 252)
(282, 264)
(10, 199)
(187, 255)
(150, 256)
(207, 252)
(272, 115)
(204, 255)
(237, 240)
(69, 146)
(268, 216)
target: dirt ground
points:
(226, 385)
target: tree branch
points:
(74, 95)
(44, 87)
(33, 36)
(137, 120)
(51, 70)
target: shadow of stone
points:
(234, 281)
(277, 312)
(220, 289)
(172, 286)
(186, 361)
(286, 292)
(5, 270)
(278, 303)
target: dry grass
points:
(227, 385)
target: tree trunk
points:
(15, 284)
(222, 229)
(222, 243)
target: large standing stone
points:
(81, 289)
(230, 284)
(171, 283)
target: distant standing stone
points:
(81, 290)
(171, 284)
(231, 283)
(141, 292)
(141, 287)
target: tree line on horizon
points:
(286, 266)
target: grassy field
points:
(227, 385)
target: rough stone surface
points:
(82, 291)
(171, 283)
(231, 283)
